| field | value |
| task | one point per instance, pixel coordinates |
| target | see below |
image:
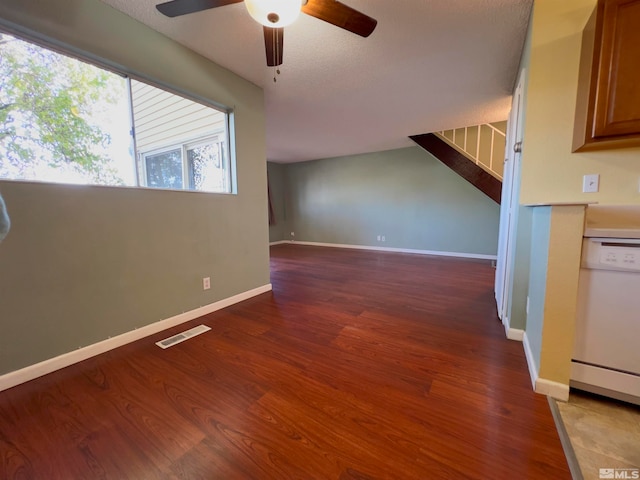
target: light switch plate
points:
(591, 183)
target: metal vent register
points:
(181, 337)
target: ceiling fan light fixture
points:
(274, 13)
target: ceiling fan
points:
(274, 15)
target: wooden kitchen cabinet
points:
(608, 103)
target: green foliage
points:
(50, 110)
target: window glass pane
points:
(206, 168)
(164, 170)
(61, 119)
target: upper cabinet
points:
(608, 103)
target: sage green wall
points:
(406, 195)
(276, 174)
(517, 307)
(82, 263)
(540, 237)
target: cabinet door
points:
(617, 109)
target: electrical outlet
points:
(206, 283)
(384, 239)
(293, 234)
(379, 238)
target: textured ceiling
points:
(429, 65)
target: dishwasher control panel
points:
(623, 257)
(611, 254)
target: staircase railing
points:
(482, 144)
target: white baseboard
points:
(31, 372)
(515, 334)
(556, 390)
(279, 242)
(531, 363)
(397, 250)
(512, 333)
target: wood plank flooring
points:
(359, 365)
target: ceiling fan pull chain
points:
(276, 54)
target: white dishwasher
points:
(606, 357)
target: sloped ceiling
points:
(429, 65)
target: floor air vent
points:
(181, 337)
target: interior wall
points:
(551, 173)
(555, 265)
(563, 269)
(405, 195)
(276, 174)
(82, 264)
(521, 258)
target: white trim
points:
(279, 242)
(31, 372)
(493, 141)
(556, 390)
(397, 250)
(512, 333)
(515, 334)
(509, 203)
(531, 363)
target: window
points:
(64, 120)
(207, 166)
(164, 169)
(201, 165)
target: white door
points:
(509, 201)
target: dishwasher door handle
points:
(616, 242)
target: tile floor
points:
(604, 434)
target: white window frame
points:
(184, 146)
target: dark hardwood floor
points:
(359, 365)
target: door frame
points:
(510, 202)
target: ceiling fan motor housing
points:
(273, 17)
(274, 13)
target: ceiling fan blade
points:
(273, 43)
(176, 8)
(340, 15)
